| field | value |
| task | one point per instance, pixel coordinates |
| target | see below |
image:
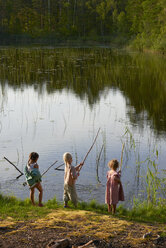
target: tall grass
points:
(153, 206)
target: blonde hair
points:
(113, 164)
(67, 157)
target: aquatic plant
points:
(154, 182)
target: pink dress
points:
(114, 190)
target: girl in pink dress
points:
(114, 189)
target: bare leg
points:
(114, 208)
(109, 208)
(32, 192)
(66, 196)
(39, 187)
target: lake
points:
(54, 100)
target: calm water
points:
(54, 100)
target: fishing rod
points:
(57, 168)
(21, 173)
(89, 149)
(25, 183)
(49, 168)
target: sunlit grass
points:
(144, 212)
(23, 210)
(19, 209)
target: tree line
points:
(141, 22)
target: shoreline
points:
(78, 44)
(13, 207)
(40, 226)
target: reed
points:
(97, 164)
(154, 183)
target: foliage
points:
(142, 21)
(52, 204)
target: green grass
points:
(20, 210)
(23, 210)
(93, 206)
(141, 211)
(144, 212)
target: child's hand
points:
(78, 173)
(78, 167)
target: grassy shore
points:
(24, 225)
(23, 210)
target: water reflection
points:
(54, 100)
(88, 73)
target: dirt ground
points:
(80, 227)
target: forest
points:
(139, 23)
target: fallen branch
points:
(60, 169)
(63, 243)
(57, 168)
(89, 244)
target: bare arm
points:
(36, 166)
(78, 167)
(119, 173)
(117, 179)
(74, 173)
